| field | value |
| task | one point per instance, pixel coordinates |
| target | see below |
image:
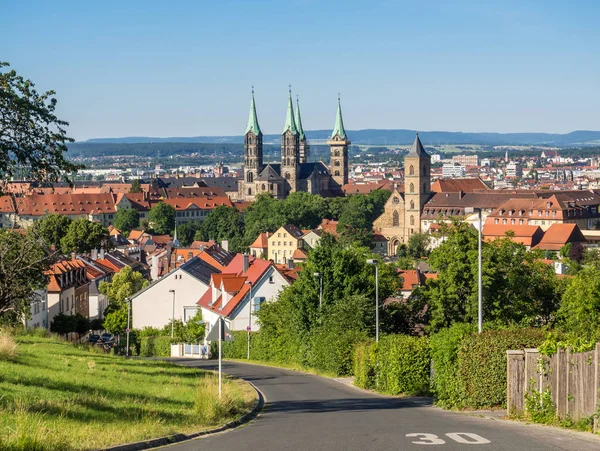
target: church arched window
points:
(411, 170)
(412, 220)
(336, 163)
(412, 204)
(250, 177)
(396, 200)
(249, 191)
(264, 186)
(412, 188)
(249, 139)
(396, 219)
(337, 153)
(287, 175)
(337, 173)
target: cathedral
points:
(294, 173)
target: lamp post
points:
(320, 276)
(376, 263)
(249, 282)
(479, 281)
(173, 317)
(128, 316)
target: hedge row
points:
(156, 346)
(397, 364)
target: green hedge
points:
(482, 364)
(156, 346)
(397, 364)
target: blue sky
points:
(185, 68)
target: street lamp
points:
(320, 276)
(173, 317)
(128, 316)
(249, 282)
(376, 263)
(479, 282)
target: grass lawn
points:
(55, 396)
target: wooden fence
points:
(573, 380)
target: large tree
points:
(162, 218)
(127, 219)
(32, 138)
(304, 210)
(264, 215)
(83, 236)
(52, 229)
(23, 261)
(223, 223)
(187, 231)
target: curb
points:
(177, 438)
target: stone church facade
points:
(402, 213)
(294, 173)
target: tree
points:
(127, 219)
(194, 328)
(264, 215)
(418, 245)
(356, 221)
(304, 210)
(124, 284)
(83, 236)
(62, 324)
(31, 135)
(23, 260)
(162, 218)
(187, 231)
(52, 229)
(223, 223)
(135, 187)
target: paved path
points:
(305, 412)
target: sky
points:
(186, 68)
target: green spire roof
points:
(299, 121)
(252, 119)
(290, 124)
(339, 123)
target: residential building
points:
(260, 247)
(283, 243)
(558, 235)
(527, 235)
(8, 212)
(466, 160)
(67, 290)
(450, 170)
(514, 170)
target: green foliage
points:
(127, 219)
(135, 187)
(124, 284)
(83, 236)
(539, 406)
(418, 245)
(194, 328)
(162, 218)
(187, 231)
(579, 313)
(482, 364)
(406, 316)
(397, 364)
(223, 223)
(23, 260)
(448, 389)
(555, 341)
(304, 210)
(52, 228)
(64, 324)
(33, 140)
(263, 215)
(156, 346)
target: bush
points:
(156, 346)
(8, 346)
(397, 364)
(446, 386)
(482, 364)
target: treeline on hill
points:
(355, 214)
(525, 304)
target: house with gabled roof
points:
(238, 292)
(284, 242)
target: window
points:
(249, 191)
(336, 163)
(411, 170)
(512, 221)
(412, 204)
(396, 200)
(250, 178)
(496, 221)
(264, 186)
(520, 222)
(337, 173)
(412, 188)
(396, 219)
(412, 220)
(258, 302)
(504, 221)
(271, 280)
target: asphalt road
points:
(305, 412)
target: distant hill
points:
(395, 136)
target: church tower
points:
(253, 152)
(338, 145)
(417, 187)
(303, 148)
(289, 148)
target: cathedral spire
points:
(339, 123)
(417, 149)
(290, 124)
(252, 119)
(299, 120)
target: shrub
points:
(397, 364)
(156, 346)
(8, 346)
(482, 364)
(447, 388)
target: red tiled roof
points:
(458, 185)
(261, 242)
(528, 235)
(7, 205)
(201, 203)
(329, 226)
(558, 235)
(195, 192)
(66, 204)
(299, 254)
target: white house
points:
(39, 311)
(174, 295)
(237, 294)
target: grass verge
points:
(54, 396)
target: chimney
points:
(225, 245)
(246, 263)
(290, 264)
(101, 256)
(94, 254)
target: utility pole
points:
(249, 328)
(376, 263)
(173, 317)
(479, 281)
(128, 317)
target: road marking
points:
(474, 438)
(466, 438)
(426, 439)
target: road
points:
(305, 412)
